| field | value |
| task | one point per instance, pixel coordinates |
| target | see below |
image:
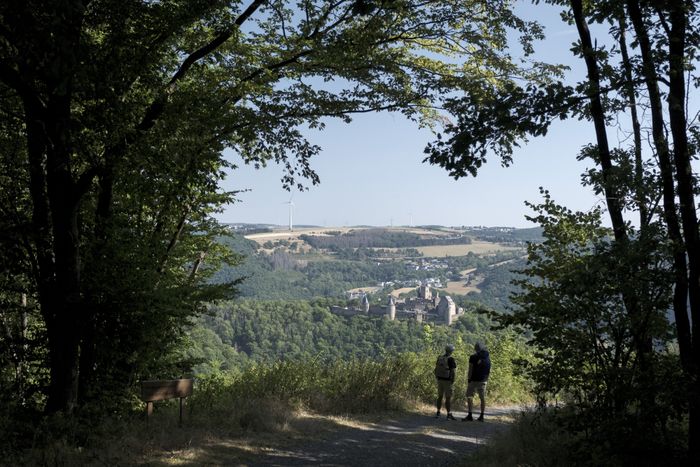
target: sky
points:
(372, 173)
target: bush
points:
(562, 436)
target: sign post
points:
(159, 390)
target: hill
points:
(313, 263)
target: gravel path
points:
(400, 440)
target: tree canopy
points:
(114, 118)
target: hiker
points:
(477, 376)
(445, 374)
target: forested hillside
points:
(234, 333)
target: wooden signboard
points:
(159, 390)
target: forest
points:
(117, 119)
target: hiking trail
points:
(412, 439)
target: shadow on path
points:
(400, 440)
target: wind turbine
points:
(291, 209)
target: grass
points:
(531, 441)
(549, 438)
(397, 292)
(458, 287)
(368, 289)
(273, 403)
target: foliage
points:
(545, 438)
(312, 334)
(500, 282)
(267, 330)
(573, 306)
(352, 386)
(507, 235)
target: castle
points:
(426, 307)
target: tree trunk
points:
(89, 385)
(641, 340)
(640, 192)
(56, 235)
(680, 293)
(612, 197)
(678, 10)
(63, 324)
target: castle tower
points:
(436, 299)
(447, 309)
(424, 292)
(365, 304)
(392, 308)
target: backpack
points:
(442, 367)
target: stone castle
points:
(426, 307)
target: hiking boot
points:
(451, 417)
(437, 415)
(468, 418)
(481, 418)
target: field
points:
(435, 251)
(287, 235)
(284, 234)
(398, 292)
(369, 289)
(476, 247)
(458, 288)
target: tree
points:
(118, 113)
(655, 181)
(573, 305)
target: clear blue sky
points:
(371, 170)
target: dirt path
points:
(400, 440)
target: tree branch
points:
(158, 105)
(14, 80)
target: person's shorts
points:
(445, 387)
(478, 387)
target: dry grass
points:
(287, 235)
(458, 288)
(396, 293)
(477, 247)
(369, 289)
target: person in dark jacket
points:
(445, 375)
(477, 377)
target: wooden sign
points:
(165, 389)
(159, 390)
